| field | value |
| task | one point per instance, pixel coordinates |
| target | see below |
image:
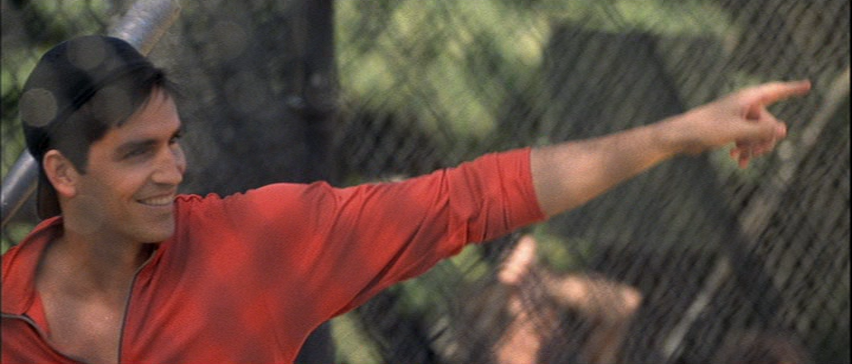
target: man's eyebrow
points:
(133, 145)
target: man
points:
(124, 269)
(535, 315)
(536, 298)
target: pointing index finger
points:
(773, 92)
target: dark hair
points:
(756, 347)
(78, 90)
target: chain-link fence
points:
(695, 261)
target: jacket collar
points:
(20, 264)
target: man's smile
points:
(159, 201)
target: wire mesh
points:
(691, 262)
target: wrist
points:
(672, 135)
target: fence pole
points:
(142, 27)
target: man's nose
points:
(171, 166)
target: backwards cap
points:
(66, 78)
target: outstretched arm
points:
(569, 174)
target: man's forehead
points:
(157, 118)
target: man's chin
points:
(158, 234)
(159, 238)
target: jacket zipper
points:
(42, 335)
(127, 304)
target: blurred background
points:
(687, 263)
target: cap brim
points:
(47, 203)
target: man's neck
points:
(84, 283)
(94, 265)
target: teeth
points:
(157, 201)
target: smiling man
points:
(124, 198)
(123, 269)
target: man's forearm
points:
(570, 174)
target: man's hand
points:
(740, 118)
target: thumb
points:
(763, 127)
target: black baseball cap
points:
(65, 78)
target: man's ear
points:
(61, 173)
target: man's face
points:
(132, 176)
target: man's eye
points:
(136, 153)
(176, 138)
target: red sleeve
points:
(339, 247)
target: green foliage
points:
(443, 72)
(560, 253)
(452, 66)
(12, 234)
(353, 347)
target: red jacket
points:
(246, 278)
